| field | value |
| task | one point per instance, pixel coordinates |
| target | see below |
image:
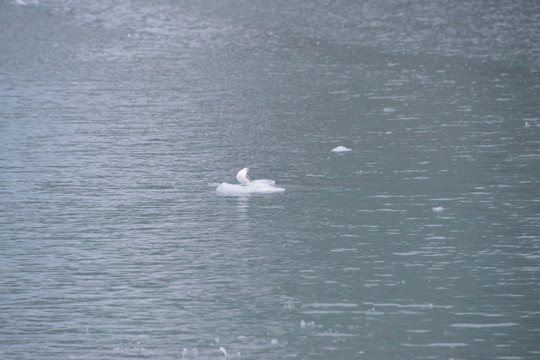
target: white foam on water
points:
(418, 306)
(450, 345)
(334, 334)
(418, 331)
(478, 326)
(324, 305)
(409, 253)
(340, 149)
(262, 186)
(26, 2)
(478, 314)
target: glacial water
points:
(120, 119)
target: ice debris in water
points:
(340, 149)
(303, 324)
(222, 349)
(262, 186)
(527, 125)
(438, 209)
(187, 353)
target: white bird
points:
(243, 177)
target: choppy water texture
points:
(118, 119)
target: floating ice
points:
(223, 351)
(303, 324)
(438, 209)
(193, 353)
(340, 149)
(261, 186)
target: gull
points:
(243, 177)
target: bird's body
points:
(243, 177)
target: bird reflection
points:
(242, 208)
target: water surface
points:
(119, 119)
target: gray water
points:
(118, 119)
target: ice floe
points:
(340, 149)
(261, 186)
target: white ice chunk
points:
(261, 186)
(340, 149)
(438, 209)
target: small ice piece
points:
(438, 209)
(274, 341)
(340, 149)
(388, 110)
(302, 324)
(187, 353)
(222, 349)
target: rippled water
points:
(118, 120)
